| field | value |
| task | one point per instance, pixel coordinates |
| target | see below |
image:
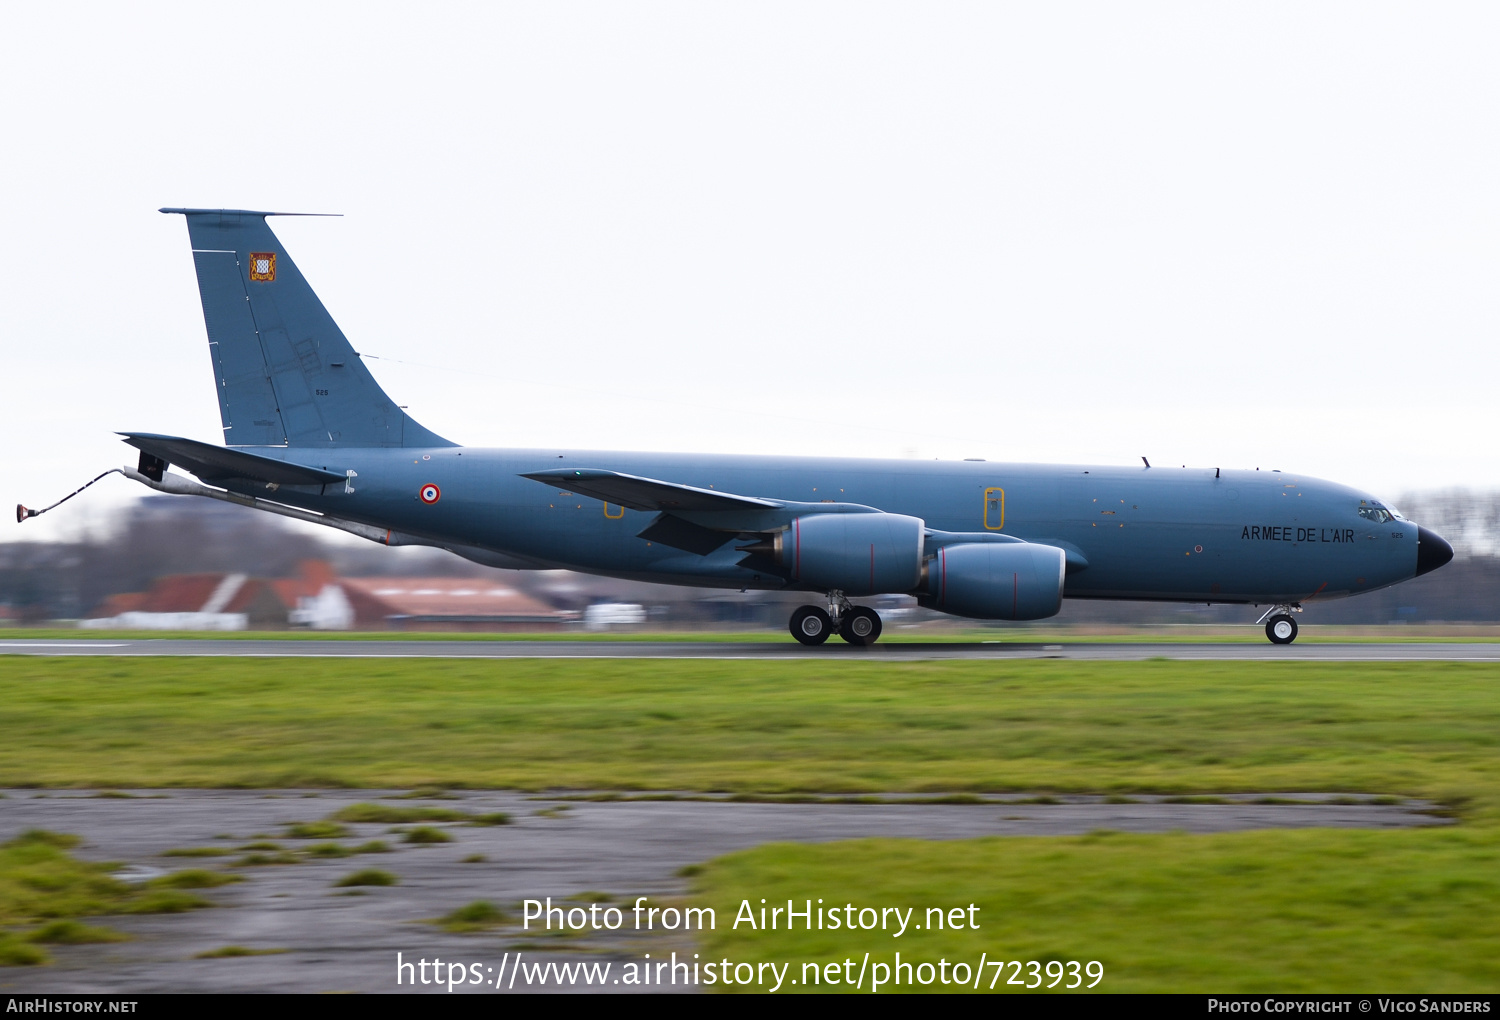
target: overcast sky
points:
(1217, 235)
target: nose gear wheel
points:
(1281, 629)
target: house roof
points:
(449, 597)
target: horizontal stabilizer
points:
(637, 493)
(217, 464)
(241, 212)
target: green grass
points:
(316, 830)
(367, 876)
(197, 851)
(1426, 729)
(476, 916)
(261, 860)
(492, 818)
(427, 834)
(384, 814)
(1314, 910)
(329, 850)
(194, 878)
(72, 933)
(233, 951)
(165, 901)
(41, 881)
(1408, 910)
(43, 889)
(16, 951)
(424, 793)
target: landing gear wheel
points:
(810, 625)
(1281, 629)
(860, 626)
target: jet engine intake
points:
(983, 581)
(857, 554)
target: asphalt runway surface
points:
(329, 940)
(789, 649)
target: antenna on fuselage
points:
(1145, 462)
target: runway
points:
(325, 939)
(788, 650)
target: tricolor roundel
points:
(430, 493)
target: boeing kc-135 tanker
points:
(309, 434)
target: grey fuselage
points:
(1195, 535)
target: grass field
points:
(1411, 910)
(1420, 728)
(1308, 910)
(43, 889)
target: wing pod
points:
(984, 581)
(858, 554)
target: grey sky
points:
(1220, 235)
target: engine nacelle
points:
(996, 581)
(858, 554)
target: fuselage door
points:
(994, 509)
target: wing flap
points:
(685, 535)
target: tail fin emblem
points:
(262, 266)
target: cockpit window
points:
(1376, 514)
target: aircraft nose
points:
(1432, 551)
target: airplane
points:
(309, 434)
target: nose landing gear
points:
(1280, 627)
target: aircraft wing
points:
(637, 493)
(217, 463)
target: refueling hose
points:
(22, 513)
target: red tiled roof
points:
(125, 602)
(446, 596)
(252, 590)
(312, 577)
(179, 593)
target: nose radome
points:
(1432, 551)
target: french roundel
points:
(430, 493)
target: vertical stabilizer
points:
(286, 374)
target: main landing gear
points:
(1280, 627)
(857, 625)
